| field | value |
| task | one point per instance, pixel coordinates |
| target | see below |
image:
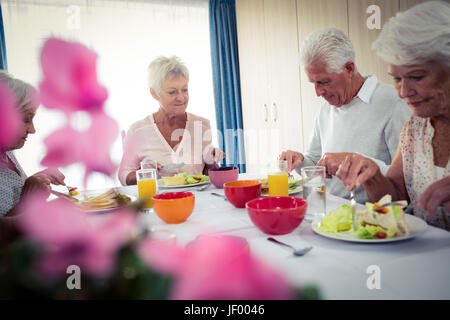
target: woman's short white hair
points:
(418, 35)
(330, 46)
(25, 94)
(162, 67)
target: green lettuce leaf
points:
(339, 219)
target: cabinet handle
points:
(266, 118)
(275, 112)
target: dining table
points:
(415, 268)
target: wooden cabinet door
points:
(284, 78)
(313, 15)
(254, 83)
(362, 37)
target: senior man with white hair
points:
(360, 115)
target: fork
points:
(202, 187)
(296, 252)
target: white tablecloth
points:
(412, 269)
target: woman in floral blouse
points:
(14, 183)
(416, 44)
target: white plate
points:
(293, 191)
(161, 185)
(416, 226)
(93, 193)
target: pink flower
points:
(11, 125)
(91, 147)
(215, 268)
(68, 237)
(69, 77)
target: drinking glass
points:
(147, 186)
(148, 164)
(313, 181)
(278, 179)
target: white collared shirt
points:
(370, 125)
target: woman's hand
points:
(356, 170)
(214, 156)
(437, 194)
(38, 182)
(293, 158)
(56, 177)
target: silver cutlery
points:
(296, 252)
(219, 195)
(402, 204)
(353, 205)
(63, 195)
(202, 187)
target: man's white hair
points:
(26, 95)
(162, 67)
(330, 46)
(418, 35)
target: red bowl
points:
(277, 215)
(241, 191)
(174, 207)
(219, 176)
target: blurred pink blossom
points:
(215, 268)
(91, 147)
(11, 124)
(68, 237)
(69, 77)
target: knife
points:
(63, 195)
(353, 205)
(173, 165)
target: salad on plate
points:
(372, 223)
(184, 178)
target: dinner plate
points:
(102, 210)
(161, 185)
(291, 192)
(416, 226)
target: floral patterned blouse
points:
(418, 166)
(11, 184)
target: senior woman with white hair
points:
(360, 114)
(416, 44)
(14, 183)
(171, 135)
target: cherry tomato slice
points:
(380, 235)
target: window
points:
(127, 36)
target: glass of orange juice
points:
(278, 179)
(147, 186)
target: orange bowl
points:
(174, 207)
(240, 191)
(277, 215)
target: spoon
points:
(296, 252)
(219, 195)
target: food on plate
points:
(106, 200)
(292, 185)
(184, 178)
(73, 191)
(174, 181)
(387, 222)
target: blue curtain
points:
(3, 64)
(226, 83)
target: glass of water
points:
(313, 181)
